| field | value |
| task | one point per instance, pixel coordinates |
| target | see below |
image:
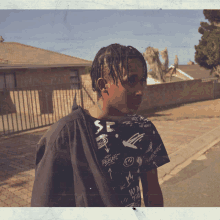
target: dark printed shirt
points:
(127, 149)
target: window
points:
(7, 80)
(74, 79)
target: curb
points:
(184, 156)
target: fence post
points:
(81, 92)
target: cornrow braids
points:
(113, 57)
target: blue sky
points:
(81, 33)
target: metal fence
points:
(23, 109)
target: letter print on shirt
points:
(108, 124)
(98, 125)
(109, 160)
(135, 193)
(102, 141)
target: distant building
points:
(185, 72)
(190, 72)
(26, 66)
(152, 81)
(22, 65)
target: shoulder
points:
(59, 127)
(140, 124)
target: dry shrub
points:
(159, 69)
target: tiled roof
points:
(13, 53)
(195, 71)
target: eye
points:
(144, 79)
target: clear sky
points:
(81, 33)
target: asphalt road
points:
(197, 185)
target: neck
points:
(101, 111)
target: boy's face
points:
(126, 97)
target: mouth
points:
(135, 103)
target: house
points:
(152, 81)
(190, 72)
(24, 66)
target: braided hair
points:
(115, 58)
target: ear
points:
(101, 84)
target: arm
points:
(151, 189)
(53, 185)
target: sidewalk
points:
(184, 131)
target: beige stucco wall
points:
(41, 76)
(176, 93)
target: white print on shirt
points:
(155, 164)
(139, 161)
(150, 148)
(132, 115)
(132, 140)
(124, 200)
(108, 124)
(141, 117)
(134, 118)
(98, 125)
(122, 187)
(154, 153)
(110, 172)
(135, 193)
(147, 125)
(129, 161)
(102, 141)
(144, 124)
(116, 135)
(153, 132)
(128, 123)
(133, 204)
(129, 178)
(109, 160)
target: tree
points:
(176, 64)
(158, 69)
(1, 39)
(207, 53)
(213, 16)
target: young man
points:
(96, 157)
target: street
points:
(197, 185)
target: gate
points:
(23, 109)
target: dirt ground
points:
(202, 109)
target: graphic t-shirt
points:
(125, 149)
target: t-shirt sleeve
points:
(154, 152)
